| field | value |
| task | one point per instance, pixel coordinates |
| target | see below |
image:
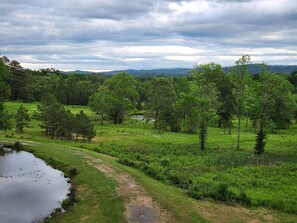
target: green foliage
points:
(220, 173)
(241, 79)
(17, 146)
(273, 105)
(4, 74)
(161, 98)
(22, 118)
(206, 96)
(100, 102)
(61, 123)
(260, 142)
(5, 120)
(84, 127)
(115, 97)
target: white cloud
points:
(99, 34)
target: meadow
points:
(220, 173)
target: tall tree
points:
(123, 95)
(185, 110)
(18, 80)
(100, 102)
(214, 73)
(5, 120)
(84, 126)
(4, 74)
(271, 90)
(206, 96)
(241, 78)
(161, 99)
(51, 112)
(21, 118)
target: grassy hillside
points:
(220, 173)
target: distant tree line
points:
(32, 85)
(189, 104)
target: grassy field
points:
(220, 173)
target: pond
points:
(29, 189)
(142, 118)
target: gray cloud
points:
(100, 34)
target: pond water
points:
(142, 118)
(29, 189)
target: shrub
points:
(17, 146)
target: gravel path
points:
(139, 205)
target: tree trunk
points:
(255, 123)
(246, 119)
(157, 119)
(202, 135)
(238, 133)
(116, 118)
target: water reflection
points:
(29, 189)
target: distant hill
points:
(280, 69)
(78, 72)
(153, 72)
(253, 68)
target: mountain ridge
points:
(253, 69)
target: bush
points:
(17, 146)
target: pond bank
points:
(30, 190)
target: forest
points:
(229, 137)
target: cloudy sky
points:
(146, 34)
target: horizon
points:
(173, 68)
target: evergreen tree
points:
(22, 118)
(84, 126)
(51, 113)
(5, 120)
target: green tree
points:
(51, 113)
(293, 80)
(5, 120)
(40, 86)
(185, 109)
(84, 126)
(206, 96)
(100, 102)
(241, 79)
(123, 95)
(272, 90)
(67, 125)
(115, 97)
(18, 80)
(22, 118)
(214, 73)
(161, 100)
(4, 74)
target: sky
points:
(102, 35)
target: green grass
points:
(174, 158)
(170, 198)
(95, 192)
(97, 200)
